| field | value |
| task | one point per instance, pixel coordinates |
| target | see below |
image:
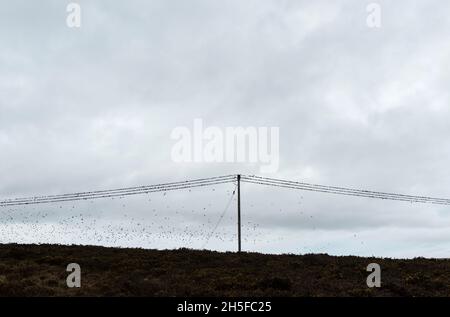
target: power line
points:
(343, 190)
(202, 182)
(118, 190)
(122, 192)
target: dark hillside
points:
(40, 270)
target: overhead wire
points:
(118, 192)
(343, 190)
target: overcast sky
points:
(93, 108)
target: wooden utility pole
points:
(239, 210)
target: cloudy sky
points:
(94, 107)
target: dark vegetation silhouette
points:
(40, 270)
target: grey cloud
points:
(93, 108)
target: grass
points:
(40, 270)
